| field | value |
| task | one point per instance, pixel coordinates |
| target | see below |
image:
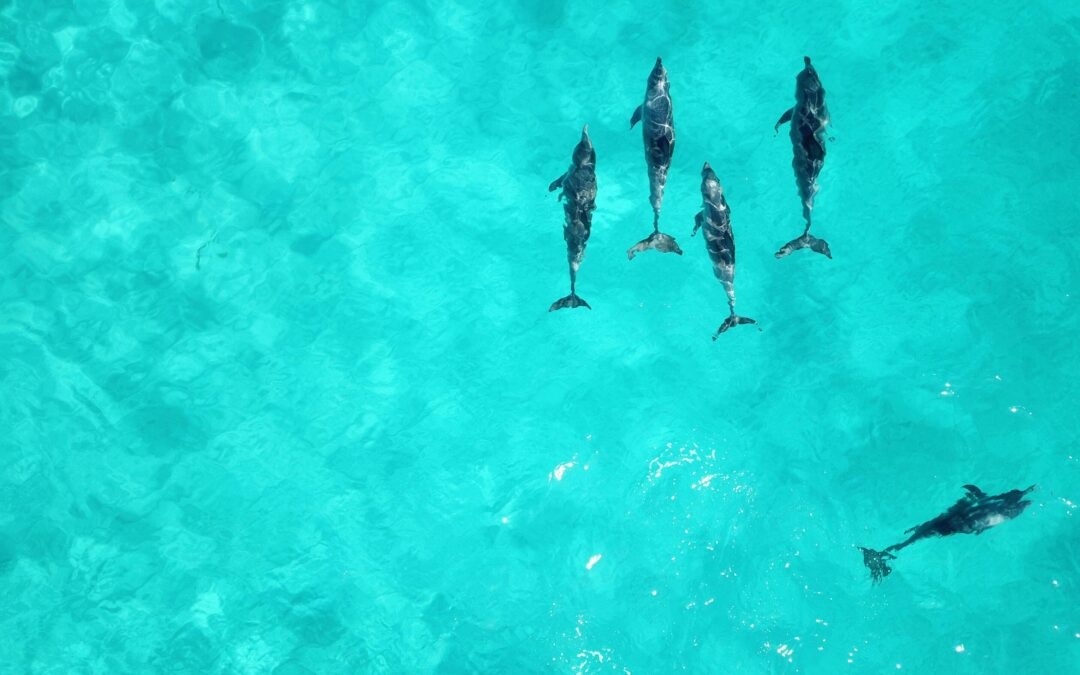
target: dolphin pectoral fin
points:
(974, 491)
(697, 222)
(636, 117)
(875, 561)
(557, 183)
(665, 243)
(572, 300)
(784, 119)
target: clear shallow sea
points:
(279, 392)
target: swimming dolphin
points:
(974, 513)
(715, 217)
(658, 130)
(808, 120)
(579, 189)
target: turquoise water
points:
(280, 392)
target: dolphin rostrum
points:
(658, 131)
(974, 513)
(579, 190)
(715, 217)
(808, 120)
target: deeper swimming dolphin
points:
(658, 132)
(975, 513)
(715, 218)
(579, 191)
(808, 118)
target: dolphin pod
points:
(976, 512)
(809, 118)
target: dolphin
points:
(579, 190)
(808, 120)
(974, 513)
(715, 217)
(658, 130)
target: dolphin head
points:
(711, 189)
(807, 79)
(658, 76)
(584, 154)
(1013, 503)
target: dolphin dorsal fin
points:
(974, 491)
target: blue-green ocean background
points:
(280, 393)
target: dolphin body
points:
(715, 218)
(974, 513)
(579, 190)
(658, 131)
(808, 118)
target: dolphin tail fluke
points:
(876, 562)
(806, 241)
(665, 243)
(731, 322)
(572, 300)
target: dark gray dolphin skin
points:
(579, 190)
(808, 120)
(973, 514)
(658, 130)
(715, 217)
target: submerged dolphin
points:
(715, 217)
(808, 120)
(579, 190)
(658, 130)
(977, 511)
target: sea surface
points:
(280, 393)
